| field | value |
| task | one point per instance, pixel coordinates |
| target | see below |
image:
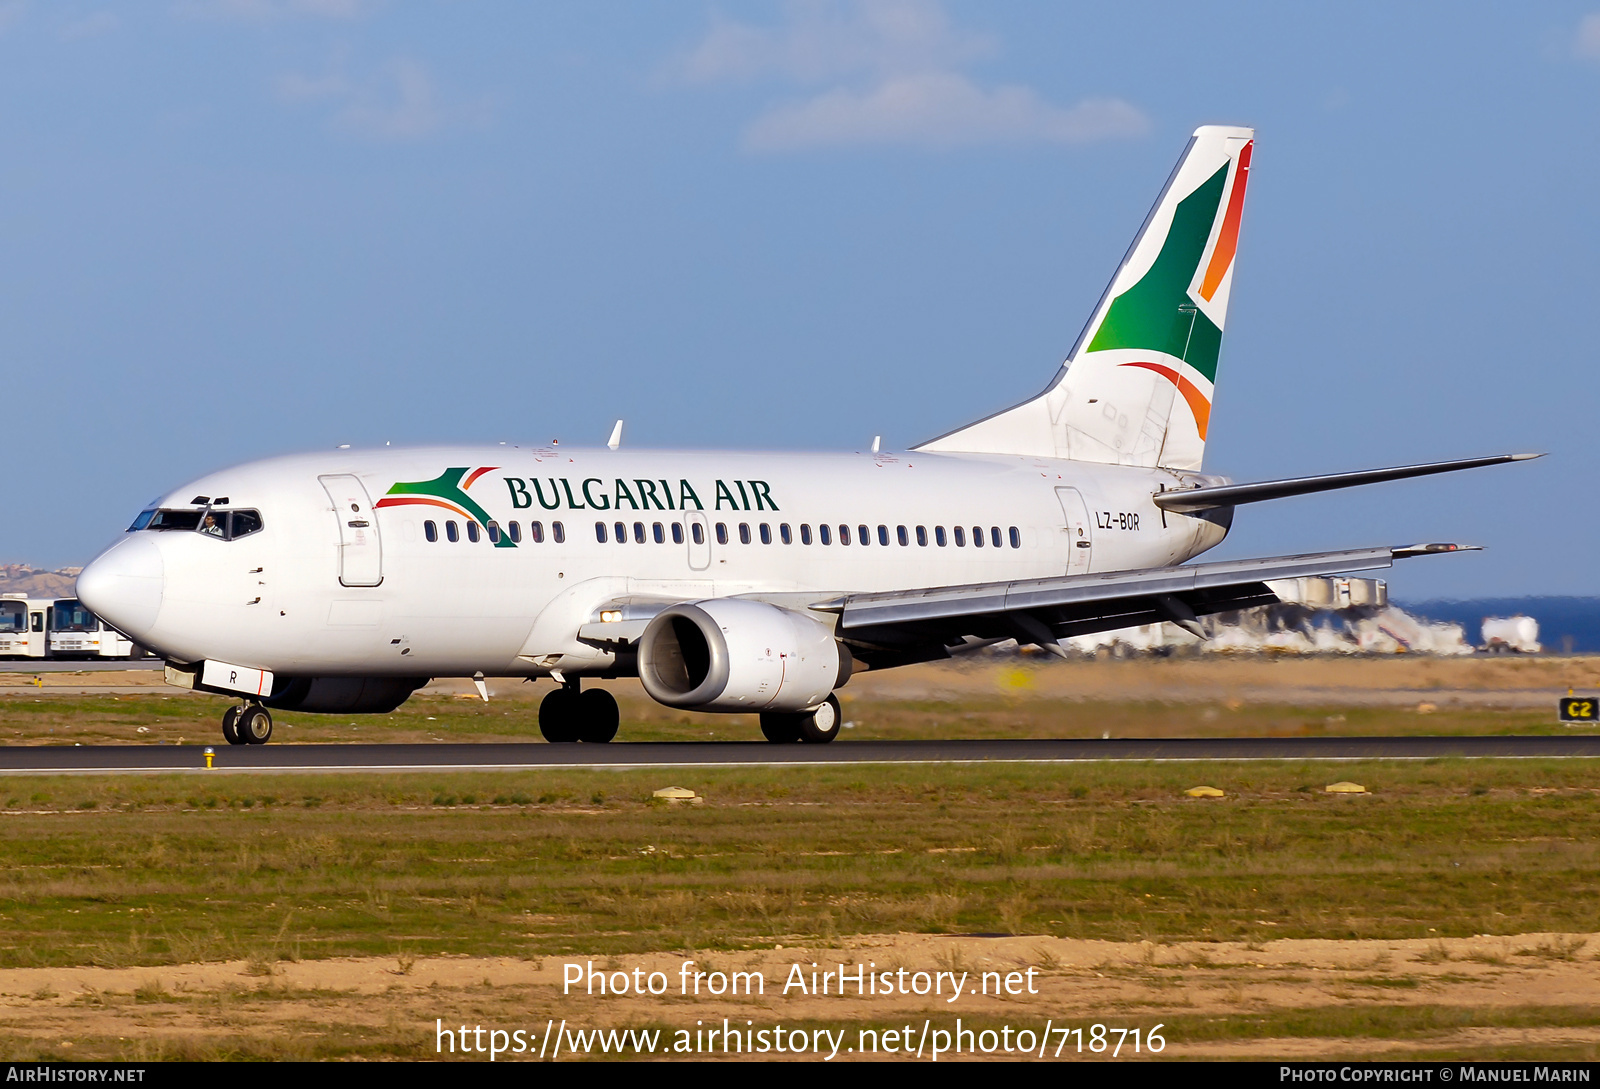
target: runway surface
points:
(135, 759)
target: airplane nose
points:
(123, 585)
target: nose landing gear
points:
(568, 714)
(249, 724)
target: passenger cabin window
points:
(785, 536)
(638, 533)
(659, 533)
(922, 536)
(622, 532)
(961, 537)
(823, 534)
(766, 533)
(494, 532)
(1016, 537)
(535, 532)
(600, 532)
(677, 532)
(744, 532)
(516, 533)
(864, 535)
(938, 536)
(698, 533)
(472, 532)
(883, 536)
(977, 536)
(452, 532)
(430, 530)
(805, 532)
(994, 536)
(901, 536)
(558, 532)
(722, 533)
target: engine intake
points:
(727, 654)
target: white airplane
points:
(731, 581)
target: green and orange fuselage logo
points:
(449, 491)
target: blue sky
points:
(234, 228)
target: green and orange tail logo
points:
(449, 491)
(1137, 387)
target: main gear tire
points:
(780, 728)
(558, 716)
(598, 716)
(822, 725)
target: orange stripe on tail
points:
(1191, 393)
(1228, 237)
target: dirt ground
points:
(1210, 998)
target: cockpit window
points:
(73, 615)
(174, 519)
(245, 522)
(226, 525)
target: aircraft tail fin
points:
(1137, 387)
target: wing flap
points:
(1069, 591)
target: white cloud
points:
(400, 105)
(1587, 43)
(90, 26)
(940, 109)
(889, 72)
(399, 102)
(823, 40)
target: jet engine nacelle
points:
(726, 654)
(344, 695)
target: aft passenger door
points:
(360, 550)
(694, 522)
(1078, 531)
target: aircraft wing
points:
(896, 627)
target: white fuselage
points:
(274, 599)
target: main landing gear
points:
(249, 724)
(568, 714)
(816, 727)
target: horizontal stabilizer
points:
(1230, 495)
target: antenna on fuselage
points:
(616, 436)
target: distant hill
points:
(1567, 625)
(19, 578)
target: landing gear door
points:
(360, 551)
(1078, 531)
